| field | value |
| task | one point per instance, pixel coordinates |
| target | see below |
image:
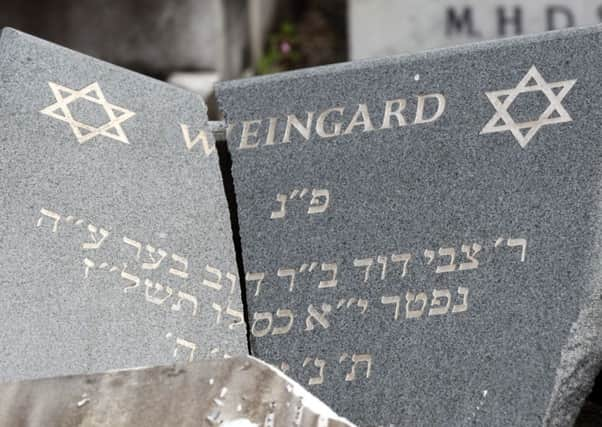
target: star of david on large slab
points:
(84, 132)
(532, 82)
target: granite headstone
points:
(116, 243)
(388, 27)
(421, 234)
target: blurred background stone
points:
(388, 27)
(151, 36)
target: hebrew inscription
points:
(318, 200)
(134, 273)
(317, 369)
(409, 305)
(455, 245)
(456, 259)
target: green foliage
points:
(283, 52)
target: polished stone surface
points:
(116, 242)
(421, 234)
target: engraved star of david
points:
(502, 121)
(84, 132)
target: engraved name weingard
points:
(337, 121)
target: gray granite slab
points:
(236, 392)
(388, 27)
(440, 217)
(116, 242)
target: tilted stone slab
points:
(116, 242)
(421, 234)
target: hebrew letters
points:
(183, 273)
(382, 260)
(331, 283)
(437, 308)
(89, 264)
(135, 244)
(451, 253)
(419, 298)
(287, 327)
(52, 215)
(464, 306)
(363, 304)
(233, 279)
(519, 242)
(255, 277)
(186, 344)
(405, 258)
(281, 213)
(284, 272)
(365, 262)
(513, 243)
(217, 308)
(357, 359)
(154, 299)
(392, 300)
(308, 267)
(430, 254)
(95, 244)
(319, 317)
(320, 201)
(416, 304)
(473, 262)
(187, 297)
(130, 277)
(213, 284)
(320, 364)
(237, 314)
(258, 317)
(155, 263)
(315, 205)
(281, 313)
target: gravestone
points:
(235, 392)
(421, 234)
(388, 27)
(117, 247)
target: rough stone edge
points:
(581, 356)
(309, 400)
(216, 132)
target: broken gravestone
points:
(116, 249)
(236, 392)
(421, 235)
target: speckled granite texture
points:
(457, 243)
(114, 228)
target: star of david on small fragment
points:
(84, 132)
(532, 82)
